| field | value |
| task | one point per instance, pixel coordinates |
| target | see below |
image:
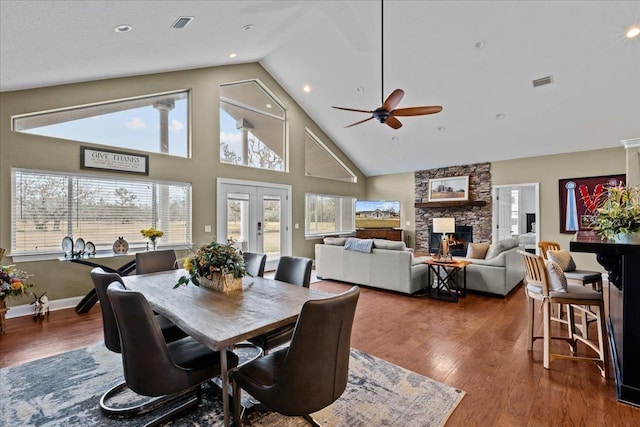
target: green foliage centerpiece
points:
(618, 213)
(218, 266)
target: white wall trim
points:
(54, 305)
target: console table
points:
(379, 233)
(622, 262)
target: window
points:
(155, 124)
(515, 211)
(329, 214)
(252, 127)
(48, 206)
(320, 162)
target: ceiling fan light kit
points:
(387, 112)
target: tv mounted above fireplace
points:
(377, 214)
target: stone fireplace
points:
(475, 214)
(458, 241)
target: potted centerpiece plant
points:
(219, 266)
(617, 216)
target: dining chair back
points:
(546, 245)
(154, 261)
(312, 372)
(294, 270)
(151, 366)
(254, 263)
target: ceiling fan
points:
(387, 112)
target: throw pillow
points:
(335, 241)
(557, 279)
(563, 259)
(477, 250)
(497, 248)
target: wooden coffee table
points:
(447, 287)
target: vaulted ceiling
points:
(477, 59)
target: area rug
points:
(64, 390)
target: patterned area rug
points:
(64, 390)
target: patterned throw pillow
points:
(477, 250)
(557, 279)
(563, 259)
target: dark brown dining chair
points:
(294, 270)
(151, 366)
(312, 372)
(154, 261)
(170, 332)
(254, 263)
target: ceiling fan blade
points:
(393, 100)
(361, 121)
(393, 122)
(416, 111)
(353, 109)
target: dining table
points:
(221, 320)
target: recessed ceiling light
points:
(500, 116)
(632, 31)
(441, 128)
(247, 27)
(360, 89)
(306, 88)
(233, 55)
(479, 44)
(268, 105)
(122, 28)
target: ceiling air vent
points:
(182, 22)
(542, 81)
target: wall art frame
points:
(453, 188)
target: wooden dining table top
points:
(220, 320)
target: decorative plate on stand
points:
(120, 246)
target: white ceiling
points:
(334, 46)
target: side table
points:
(447, 287)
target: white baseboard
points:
(29, 310)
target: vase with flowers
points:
(617, 216)
(214, 265)
(13, 283)
(153, 235)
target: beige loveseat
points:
(389, 265)
(499, 272)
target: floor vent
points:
(542, 81)
(182, 22)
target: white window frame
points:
(341, 206)
(134, 246)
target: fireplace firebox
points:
(458, 241)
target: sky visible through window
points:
(137, 129)
(229, 134)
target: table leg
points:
(224, 377)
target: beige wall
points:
(63, 279)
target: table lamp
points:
(444, 226)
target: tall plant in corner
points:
(618, 212)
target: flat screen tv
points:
(377, 214)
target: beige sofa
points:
(389, 265)
(499, 272)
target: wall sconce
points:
(444, 226)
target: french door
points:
(256, 217)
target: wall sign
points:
(579, 198)
(109, 160)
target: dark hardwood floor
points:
(478, 345)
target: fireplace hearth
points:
(458, 241)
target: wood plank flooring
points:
(478, 345)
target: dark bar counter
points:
(622, 262)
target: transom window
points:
(155, 124)
(252, 127)
(320, 162)
(47, 206)
(325, 214)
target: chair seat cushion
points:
(275, 338)
(262, 371)
(577, 292)
(584, 275)
(188, 353)
(169, 330)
